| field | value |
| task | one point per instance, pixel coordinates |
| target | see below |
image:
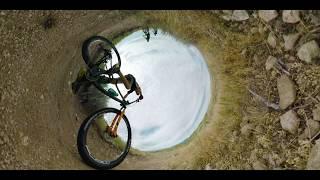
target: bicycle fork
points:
(112, 130)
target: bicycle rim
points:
(97, 147)
(91, 53)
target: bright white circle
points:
(175, 82)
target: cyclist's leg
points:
(78, 82)
(101, 124)
(84, 92)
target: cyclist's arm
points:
(137, 88)
(121, 79)
(124, 80)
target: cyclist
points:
(84, 76)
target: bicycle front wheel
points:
(91, 52)
(97, 147)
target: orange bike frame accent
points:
(115, 123)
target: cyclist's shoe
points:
(76, 84)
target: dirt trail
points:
(40, 116)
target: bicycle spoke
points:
(101, 145)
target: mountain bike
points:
(104, 137)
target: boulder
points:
(309, 51)
(208, 167)
(312, 128)
(270, 62)
(290, 121)
(267, 15)
(316, 113)
(314, 157)
(290, 40)
(240, 15)
(259, 165)
(315, 19)
(290, 16)
(272, 41)
(227, 15)
(286, 90)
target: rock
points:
(240, 15)
(267, 15)
(314, 157)
(290, 121)
(316, 113)
(311, 129)
(309, 51)
(290, 16)
(246, 130)
(244, 52)
(227, 11)
(253, 155)
(271, 161)
(270, 62)
(208, 167)
(272, 41)
(314, 19)
(286, 56)
(254, 30)
(275, 160)
(256, 58)
(259, 165)
(41, 97)
(261, 29)
(291, 58)
(290, 40)
(227, 15)
(286, 90)
(235, 133)
(25, 141)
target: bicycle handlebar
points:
(96, 71)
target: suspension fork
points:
(112, 130)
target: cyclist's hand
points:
(138, 91)
(140, 97)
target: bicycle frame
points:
(112, 130)
(122, 102)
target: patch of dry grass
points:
(229, 69)
(236, 60)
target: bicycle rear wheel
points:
(96, 147)
(91, 52)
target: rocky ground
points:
(40, 55)
(280, 113)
